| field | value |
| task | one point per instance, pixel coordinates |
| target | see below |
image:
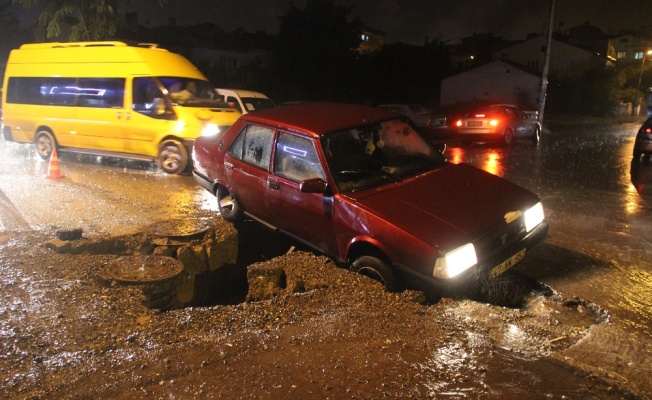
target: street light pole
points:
(635, 110)
(546, 65)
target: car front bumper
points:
(468, 279)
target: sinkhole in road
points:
(177, 262)
(208, 261)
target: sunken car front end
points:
(471, 225)
(484, 257)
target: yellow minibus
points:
(110, 98)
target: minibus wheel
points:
(44, 141)
(172, 157)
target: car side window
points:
(254, 146)
(510, 113)
(233, 102)
(296, 158)
(519, 113)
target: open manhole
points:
(142, 269)
(180, 227)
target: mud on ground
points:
(66, 334)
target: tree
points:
(89, 20)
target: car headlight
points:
(533, 217)
(455, 262)
(210, 129)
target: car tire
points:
(172, 157)
(227, 205)
(508, 137)
(377, 269)
(537, 135)
(45, 144)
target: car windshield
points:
(257, 103)
(378, 153)
(191, 92)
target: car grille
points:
(495, 242)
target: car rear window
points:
(487, 113)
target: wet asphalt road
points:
(597, 199)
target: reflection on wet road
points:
(598, 201)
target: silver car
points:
(497, 122)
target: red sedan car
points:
(360, 185)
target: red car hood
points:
(449, 206)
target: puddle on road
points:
(546, 323)
(500, 346)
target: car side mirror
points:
(313, 185)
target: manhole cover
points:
(179, 227)
(142, 269)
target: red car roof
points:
(318, 118)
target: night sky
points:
(411, 21)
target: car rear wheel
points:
(172, 157)
(537, 135)
(376, 269)
(228, 205)
(45, 144)
(508, 137)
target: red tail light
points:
(458, 122)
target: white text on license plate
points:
(507, 264)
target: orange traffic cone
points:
(53, 168)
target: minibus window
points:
(148, 97)
(101, 92)
(45, 90)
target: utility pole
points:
(546, 66)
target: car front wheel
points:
(376, 269)
(228, 205)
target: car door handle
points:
(272, 184)
(228, 165)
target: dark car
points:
(643, 143)
(497, 122)
(360, 185)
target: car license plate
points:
(474, 123)
(507, 264)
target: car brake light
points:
(479, 115)
(494, 122)
(458, 122)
